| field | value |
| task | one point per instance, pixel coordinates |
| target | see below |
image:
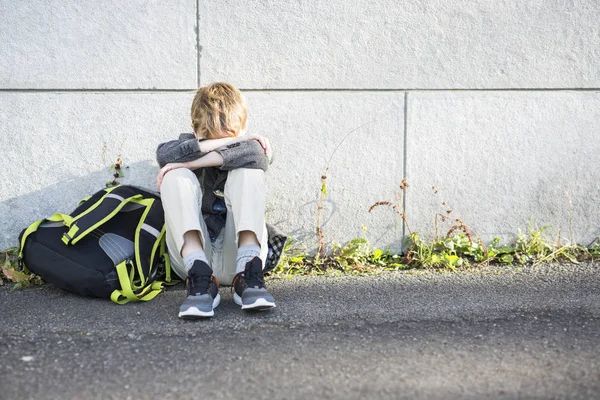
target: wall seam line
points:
(197, 43)
(404, 162)
(96, 90)
(574, 89)
(108, 90)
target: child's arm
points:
(184, 149)
(238, 152)
(207, 145)
(212, 159)
(252, 152)
(247, 154)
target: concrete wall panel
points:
(401, 44)
(61, 44)
(305, 128)
(501, 158)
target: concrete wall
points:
(496, 104)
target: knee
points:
(175, 179)
(245, 183)
(246, 174)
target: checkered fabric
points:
(276, 242)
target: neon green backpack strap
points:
(64, 218)
(113, 200)
(150, 240)
(127, 293)
(148, 235)
(140, 278)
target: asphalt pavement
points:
(486, 334)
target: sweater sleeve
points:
(184, 149)
(246, 154)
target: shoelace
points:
(252, 278)
(201, 282)
(255, 278)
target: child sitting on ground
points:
(212, 185)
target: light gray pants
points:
(244, 195)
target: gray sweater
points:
(246, 154)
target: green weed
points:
(117, 172)
(456, 251)
(10, 272)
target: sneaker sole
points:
(259, 304)
(195, 313)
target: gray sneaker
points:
(203, 293)
(249, 288)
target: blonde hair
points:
(218, 110)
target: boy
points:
(213, 193)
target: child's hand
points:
(165, 169)
(263, 140)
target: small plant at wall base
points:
(397, 207)
(321, 251)
(9, 271)
(117, 172)
(320, 234)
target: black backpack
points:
(111, 246)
